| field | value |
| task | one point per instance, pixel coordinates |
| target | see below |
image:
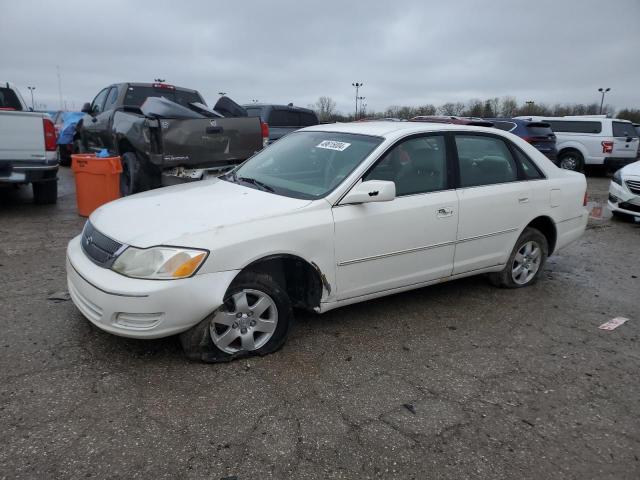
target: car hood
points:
(168, 215)
(632, 169)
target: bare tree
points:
(325, 107)
(508, 106)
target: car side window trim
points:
(514, 148)
(520, 174)
(94, 104)
(448, 185)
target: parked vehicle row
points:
(328, 216)
(592, 140)
(27, 146)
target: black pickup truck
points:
(167, 134)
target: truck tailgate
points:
(208, 142)
(22, 135)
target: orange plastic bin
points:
(97, 181)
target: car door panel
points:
(491, 218)
(381, 246)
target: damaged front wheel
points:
(254, 320)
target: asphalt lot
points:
(460, 380)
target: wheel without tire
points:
(571, 160)
(45, 193)
(254, 320)
(525, 262)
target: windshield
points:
(305, 165)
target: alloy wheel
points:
(526, 263)
(246, 322)
(569, 163)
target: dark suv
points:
(538, 134)
(282, 119)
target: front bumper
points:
(623, 201)
(137, 308)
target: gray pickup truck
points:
(282, 119)
(27, 147)
(167, 134)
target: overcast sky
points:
(405, 52)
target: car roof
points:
(275, 105)
(395, 129)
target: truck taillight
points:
(264, 127)
(607, 147)
(49, 135)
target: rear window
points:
(137, 95)
(308, 119)
(575, 126)
(9, 99)
(284, 118)
(506, 126)
(539, 130)
(254, 112)
(624, 129)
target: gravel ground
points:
(460, 380)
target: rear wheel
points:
(254, 320)
(571, 160)
(45, 193)
(525, 262)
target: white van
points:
(592, 140)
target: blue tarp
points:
(69, 122)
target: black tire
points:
(64, 157)
(505, 278)
(130, 178)
(198, 343)
(45, 193)
(571, 160)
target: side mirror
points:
(86, 108)
(371, 191)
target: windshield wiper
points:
(257, 183)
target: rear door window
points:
(9, 99)
(624, 129)
(531, 171)
(539, 130)
(307, 119)
(484, 160)
(254, 112)
(575, 126)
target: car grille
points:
(98, 247)
(634, 186)
(629, 206)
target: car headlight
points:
(617, 177)
(159, 263)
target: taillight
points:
(607, 147)
(585, 199)
(264, 127)
(164, 85)
(49, 135)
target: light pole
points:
(222, 94)
(254, 100)
(160, 80)
(31, 89)
(363, 109)
(530, 104)
(357, 85)
(361, 99)
(603, 91)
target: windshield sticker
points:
(333, 145)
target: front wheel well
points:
(546, 226)
(303, 281)
(570, 149)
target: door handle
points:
(444, 212)
(523, 200)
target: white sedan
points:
(624, 190)
(328, 216)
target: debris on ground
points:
(59, 297)
(613, 323)
(409, 407)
